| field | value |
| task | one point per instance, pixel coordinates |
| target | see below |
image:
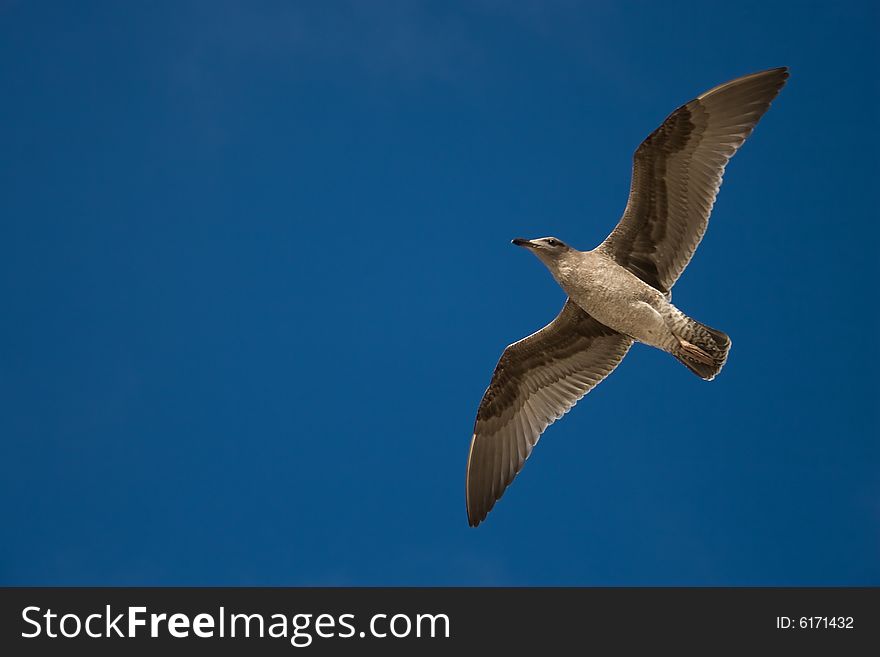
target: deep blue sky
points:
(255, 272)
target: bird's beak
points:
(519, 241)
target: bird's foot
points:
(693, 352)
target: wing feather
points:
(536, 381)
(677, 172)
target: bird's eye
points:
(553, 242)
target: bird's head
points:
(549, 249)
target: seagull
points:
(619, 292)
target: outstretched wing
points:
(537, 380)
(677, 171)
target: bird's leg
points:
(694, 352)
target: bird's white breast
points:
(613, 295)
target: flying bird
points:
(619, 292)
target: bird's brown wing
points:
(536, 381)
(677, 171)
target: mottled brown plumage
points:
(536, 381)
(619, 292)
(677, 171)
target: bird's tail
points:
(703, 350)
